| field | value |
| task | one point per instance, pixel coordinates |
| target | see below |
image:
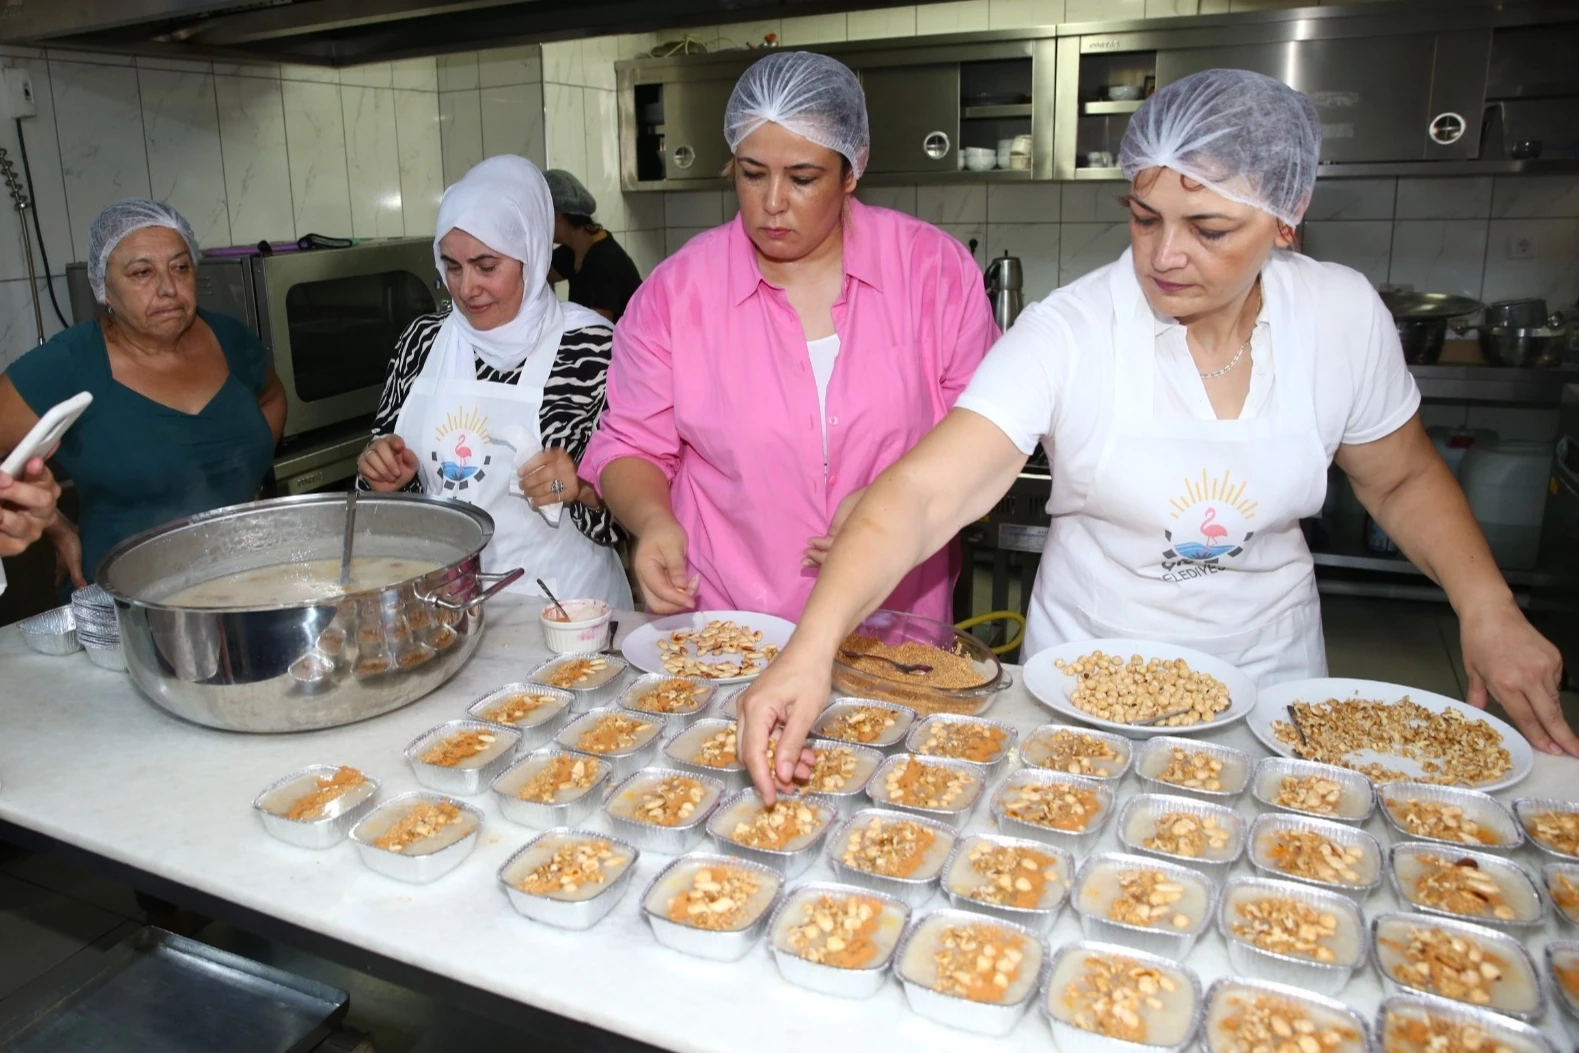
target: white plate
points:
(641, 646)
(1053, 688)
(1276, 699)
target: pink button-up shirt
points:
(711, 381)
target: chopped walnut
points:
(1268, 1024)
(670, 696)
(1286, 926)
(1558, 831)
(717, 899)
(837, 931)
(573, 865)
(1113, 995)
(1074, 753)
(1058, 807)
(1407, 1033)
(562, 773)
(461, 746)
(420, 823)
(832, 771)
(1148, 898)
(863, 724)
(672, 801)
(613, 733)
(968, 740)
(1459, 887)
(1143, 689)
(1304, 854)
(1192, 770)
(1012, 876)
(1309, 793)
(718, 750)
(1565, 893)
(1182, 834)
(681, 651)
(577, 671)
(888, 848)
(778, 827)
(1445, 964)
(1444, 822)
(977, 962)
(1450, 748)
(516, 708)
(916, 784)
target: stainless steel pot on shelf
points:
(1422, 321)
(297, 667)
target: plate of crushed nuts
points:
(1391, 733)
(725, 647)
(1139, 688)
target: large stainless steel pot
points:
(295, 667)
(1422, 321)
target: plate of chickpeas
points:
(1139, 688)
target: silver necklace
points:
(1231, 362)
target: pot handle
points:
(498, 584)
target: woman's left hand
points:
(1506, 658)
(539, 475)
(817, 548)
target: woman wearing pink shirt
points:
(769, 370)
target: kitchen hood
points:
(347, 32)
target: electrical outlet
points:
(17, 98)
(1520, 247)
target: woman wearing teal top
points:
(186, 408)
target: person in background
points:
(186, 409)
(491, 401)
(602, 277)
(767, 371)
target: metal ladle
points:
(350, 536)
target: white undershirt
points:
(823, 352)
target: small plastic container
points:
(625, 761)
(956, 814)
(329, 828)
(599, 690)
(586, 630)
(841, 982)
(916, 887)
(1350, 941)
(702, 697)
(1153, 756)
(1518, 994)
(1557, 879)
(584, 907)
(472, 775)
(718, 945)
(917, 741)
(1405, 866)
(624, 816)
(918, 973)
(427, 860)
(1096, 887)
(1076, 842)
(568, 807)
(1487, 812)
(1495, 1031)
(1269, 826)
(1037, 749)
(960, 878)
(1526, 808)
(1356, 796)
(1329, 1015)
(1172, 1027)
(1137, 823)
(791, 860)
(538, 727)
(891, 737)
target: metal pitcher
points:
(1004, 280)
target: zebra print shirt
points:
(573, 400)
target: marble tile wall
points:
(245, 152)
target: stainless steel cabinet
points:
(694, 146)
(914, 116)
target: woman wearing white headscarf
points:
(1191, 396)
(492, 402)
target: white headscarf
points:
(504, 203)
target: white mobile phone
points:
(46, 433)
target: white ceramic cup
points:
(586, 630)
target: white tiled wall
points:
(245, 152)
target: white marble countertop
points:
(87, 760)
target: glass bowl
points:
(896, 627)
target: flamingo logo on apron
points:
(457, 451)
(1213, 517)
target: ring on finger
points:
(556, 487)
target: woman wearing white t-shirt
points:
(1190, 396)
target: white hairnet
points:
(119, 220)
(1243, 135)
(812, 95)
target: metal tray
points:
(155, 992)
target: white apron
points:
(457, 426)
(1190, 533)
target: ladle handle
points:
(499, 584)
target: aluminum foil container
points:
(111, 658)
(1508, 874)
(624, 762)
(852, 796)
(1147, 808)
(585, 697)
(1033, 754)
(669, 840)
(1550, 873)
(1246, 959)
(1499, 1031)
(890, 741)
(681, 746)
(1039, 918)
(675, 721)
(786, 862)
(1272, 823)
(1527, 807)
(1071, 1039)
(1316, 1006)
(465, 781)
(52, 633)
(705, 943)
(565, 914)
(1077, 843)
(547, 816)
(416, 869)
(828, 979)
(1483, 808)
(982, 1018)
(1270, 771)
(957, 816)
(1510, 949)
(340, 814)
(914, 891)
(1167, 942)
(1150, 760)
(541, 725)
(992, 768)
(1564, 953)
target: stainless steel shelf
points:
(1107, 109)
(1356, 558)
(973, 113)
(1536, 387)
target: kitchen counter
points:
(85, 761)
